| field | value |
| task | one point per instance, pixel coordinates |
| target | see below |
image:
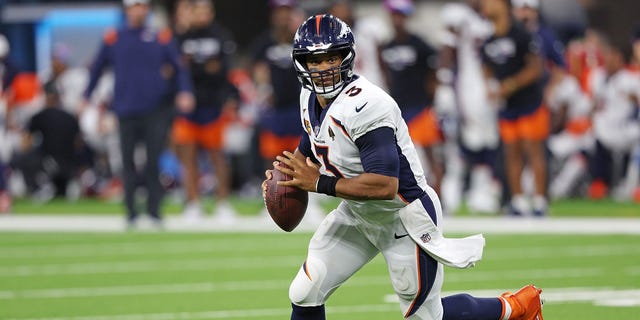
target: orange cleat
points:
(636, 195)
(598, 190)
(525, 304)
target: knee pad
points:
(306, 290)
(403, 280)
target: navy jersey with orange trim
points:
(284, 81)
(147, 69)
(208, 54)
(408, 63)
(506, 56)
(281, 117)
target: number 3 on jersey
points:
(323, 152)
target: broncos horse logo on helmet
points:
(322, 34)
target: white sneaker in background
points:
(192, 212)
(484, 191)
(224, 213)
(520, 206)
(540, 206)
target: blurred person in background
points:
(7, 70)
(583, 55)
(512, 60)
(571, 136)
(7, 73)
(462, 98)
(528, 13)
(182, 17)
(370, 37)
(569, 106)
(274, 75)
(634, 173)
(53, 150)
(208, 49)
(616, 124)
(69, 82)
(147, 68)
(409, 64)
(97, 124)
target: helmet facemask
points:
(329, 82)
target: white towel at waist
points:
(454, 252)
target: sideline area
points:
(499, 225)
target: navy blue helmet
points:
(321, 34)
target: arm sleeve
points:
(183, 77)
(96, 68)
(379, 153)
(304, 146)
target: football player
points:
(572, 138)
(461, 73)
(357, 147)
(616, 124)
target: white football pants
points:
(345, 242)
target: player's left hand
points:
(304, 172)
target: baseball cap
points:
(129, 3)
(533, 4)
(282, 3)
(402, 6)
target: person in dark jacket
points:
(147, 72)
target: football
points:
(286, 205)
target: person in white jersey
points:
(616, 122)
(461, 72)
(357, 147)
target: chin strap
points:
(322, 91)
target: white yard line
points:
(557, 250)
(227, 314)
(150, 266)
(137, 248)
(248, 262)
(115, 223)
(266, 285)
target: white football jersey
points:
(568, 93)
(360, 108)
(468, 31)
(612, 122)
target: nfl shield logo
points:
(425, 238)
